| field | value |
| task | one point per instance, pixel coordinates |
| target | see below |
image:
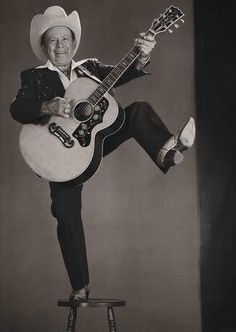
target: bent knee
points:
(139, 109)
(140, 104)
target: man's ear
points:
(44, 49)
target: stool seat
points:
(109, 304)
(92, 303)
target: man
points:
(55, 38)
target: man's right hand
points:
(57, 106)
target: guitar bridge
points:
(61, 134)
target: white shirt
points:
(64, 79)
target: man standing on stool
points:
(55, 38)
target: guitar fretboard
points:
(114, 75)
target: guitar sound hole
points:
(83, 111)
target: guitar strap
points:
(85, 71)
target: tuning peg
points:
(182, 20)
(176, 26)
(170, 31)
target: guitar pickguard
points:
(84, 130)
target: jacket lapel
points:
(52, 77)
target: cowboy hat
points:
(52, 17)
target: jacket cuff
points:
(141, 68)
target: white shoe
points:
(171, 152)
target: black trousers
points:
(141, 123)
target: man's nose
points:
(59, 43)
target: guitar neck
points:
(114, 75)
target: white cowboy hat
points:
(53, 16)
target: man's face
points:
(59, 46)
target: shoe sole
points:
(188, 130)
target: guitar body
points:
(67, 149)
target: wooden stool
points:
(109, 304)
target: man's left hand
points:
(146, 43)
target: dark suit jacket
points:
(41, 84)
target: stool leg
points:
(71, 319)
(111, 319)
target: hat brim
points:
(41, 23)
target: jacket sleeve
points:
(101, 71)
(26, 107)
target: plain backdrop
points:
(216, 103)
(141, 226)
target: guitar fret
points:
(112, 77)
(96, 94)
(120, 68)
(117, 71)
(105, 83)
(104, 88)
(108, 80)
(100, 89)
(92, 98)
(124, 63)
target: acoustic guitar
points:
(66, 149)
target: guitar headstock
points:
(166, 20)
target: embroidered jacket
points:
(41, 84)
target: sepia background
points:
(141, 226)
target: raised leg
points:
(111, 319)
(145, 126)
(71, 319)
